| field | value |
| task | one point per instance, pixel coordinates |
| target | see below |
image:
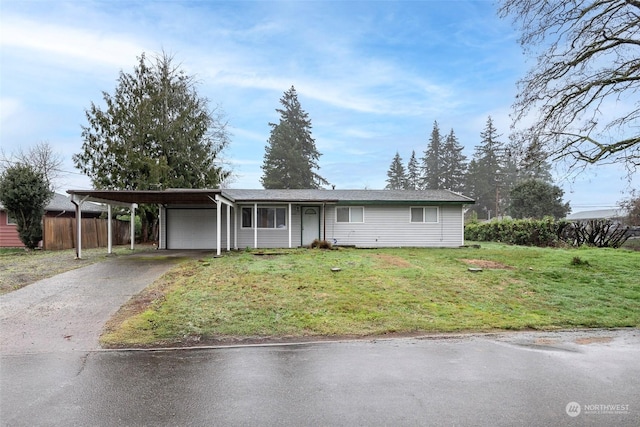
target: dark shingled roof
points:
(206, 196)
(336, 196)
(61, 203)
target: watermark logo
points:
(573, 409)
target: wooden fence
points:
(60, 233)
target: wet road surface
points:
(527, 379)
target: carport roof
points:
(177, 196)
(207, 196)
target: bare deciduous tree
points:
(40, 157)
(582, 92)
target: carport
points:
(178, 198)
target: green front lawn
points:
(295, 293)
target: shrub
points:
(548, 232)
(579, 262)
(321, 244)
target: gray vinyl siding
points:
(390, 226)
(384, 226)
(270, 237)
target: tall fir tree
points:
(432, 161)
(484, 177)
(533, 163)
(291, 157)
(454, 165)
(155, 131)
(413, 172)
(396, 175)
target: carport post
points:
(78, 230)
(133, 223)
(109, 230)
(218, 226)
(289, 224)
(255, 226)
(235, 228)
(228, 228)
(78, 224)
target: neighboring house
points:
(228, 218)
(59, 206)
(616, 215)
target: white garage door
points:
(191, 228)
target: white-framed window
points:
(350, 214)
(425, 214)
(268, 217)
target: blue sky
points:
(372, 75)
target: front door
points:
(310, 224)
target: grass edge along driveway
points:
(280, 294)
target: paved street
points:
(509, 379)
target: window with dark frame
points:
(351, 214)
(267, 217)
(427, 214)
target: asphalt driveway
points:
(67, 312)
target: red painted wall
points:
(8, 234)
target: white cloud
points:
(9, 108)
(67, 45)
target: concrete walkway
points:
(67, 312)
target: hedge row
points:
(548, 232)
(527, 232)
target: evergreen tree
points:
(413, 173)
(509, 176)
(484, 177)
(534, 164)
(291, 156)
(453, 164)
(24, 192)
(535, 198)
(432, 161)
(396, 176)
(155, 132)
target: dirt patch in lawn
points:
(483, 263)
(393, 261)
